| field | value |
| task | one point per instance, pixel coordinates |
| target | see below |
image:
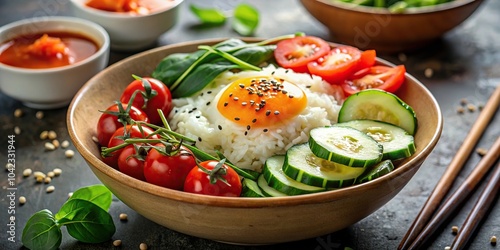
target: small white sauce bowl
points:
(130, 32)
(52, 87)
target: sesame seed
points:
(208, 103)
(22, 200)
(231, 95)
(276, 112)
(241, 85)
(265, 130)
(248, 127)
(117, 243)
(199, 139)
(123, 217)
(197, 117)
(254, 120)
(284, 92)
(225, 104)
(18, 113)
(209, 92)
(268, 112)
(308, 86)
(50, 189)
(290, 96)
(236, 118)
(243, 103)
(220, 127)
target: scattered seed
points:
(143, 246)
(39, 179)
(49, 146)
(95, 139)
(117, 243)
(123, 217)
(276, 112)
(52, 135)
(65, 144)
(199, 139)
(51, 174)
(447, 248)
(44, 134)
(481, 151)
(18, 113)
(69, 153)
(402, 57)
(17, 130)
(493, 240)
(56, 143)
(39, 115)
(70, 194)
(236, 118)
(265, 130)
(428, 72)
(220, 127)
(454, 230)
(463, 101)
(8, 166)
(27, 172)
(47, 180)
(460, 110)
(57, 171)
(22, 200)
(50, 189)
(471, 107)
(39, 174)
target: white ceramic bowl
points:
(52, 87)
(130, 32)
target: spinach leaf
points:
(42, 232)
(172, 66)
(246, 19)
(201, 77)
(97, 194)
(86, 221)
(209, 16)
(255, 55)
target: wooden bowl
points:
(377, 28)
(241, 220)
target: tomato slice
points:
(368, 58)
(297, 52)
(378, 77)
(336, 66)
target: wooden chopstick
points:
(452, 170)
(479, 211)
(459, 196)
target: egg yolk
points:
(261, 101)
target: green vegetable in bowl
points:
(395, 6)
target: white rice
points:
(197, 117)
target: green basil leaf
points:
(210, 16)
(256, 55)
(42, 232)
(86, 221)
(201, 77)
(172, 66)
(97, 194)
(246, 19)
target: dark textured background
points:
(466, 64)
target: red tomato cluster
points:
(346, 66)
(149, 157)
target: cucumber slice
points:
(302, 165)
(375, 104)
(376, 171)
(276, 178)
(266, 189)
(250, 189)
(396, 142)
(345, 145)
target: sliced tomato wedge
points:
(368, 58)
(336, 66)
(297, 52)
(377, 77)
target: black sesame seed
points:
(284, 92)
(254, 120)
(208, 103)
(197, 117)
(225, 104)
(290, 96)
(246, 133)
(265, 130)
(268, 112)
(230, 95)
(308, 86)
(199, 139)
(241, 85)
(220, 127)
(236, 118)
(209, 92)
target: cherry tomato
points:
(130, 162)
(368, 58)
(168, 169)
(297, 52)
(114, 117)
(150, 99)
(207, 180)
(379, 77)
(337, 65)
(128, 131)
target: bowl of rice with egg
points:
(223, 118)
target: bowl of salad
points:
(265, 149)
(390, 26)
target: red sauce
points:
(47, 50)
(129, 6)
